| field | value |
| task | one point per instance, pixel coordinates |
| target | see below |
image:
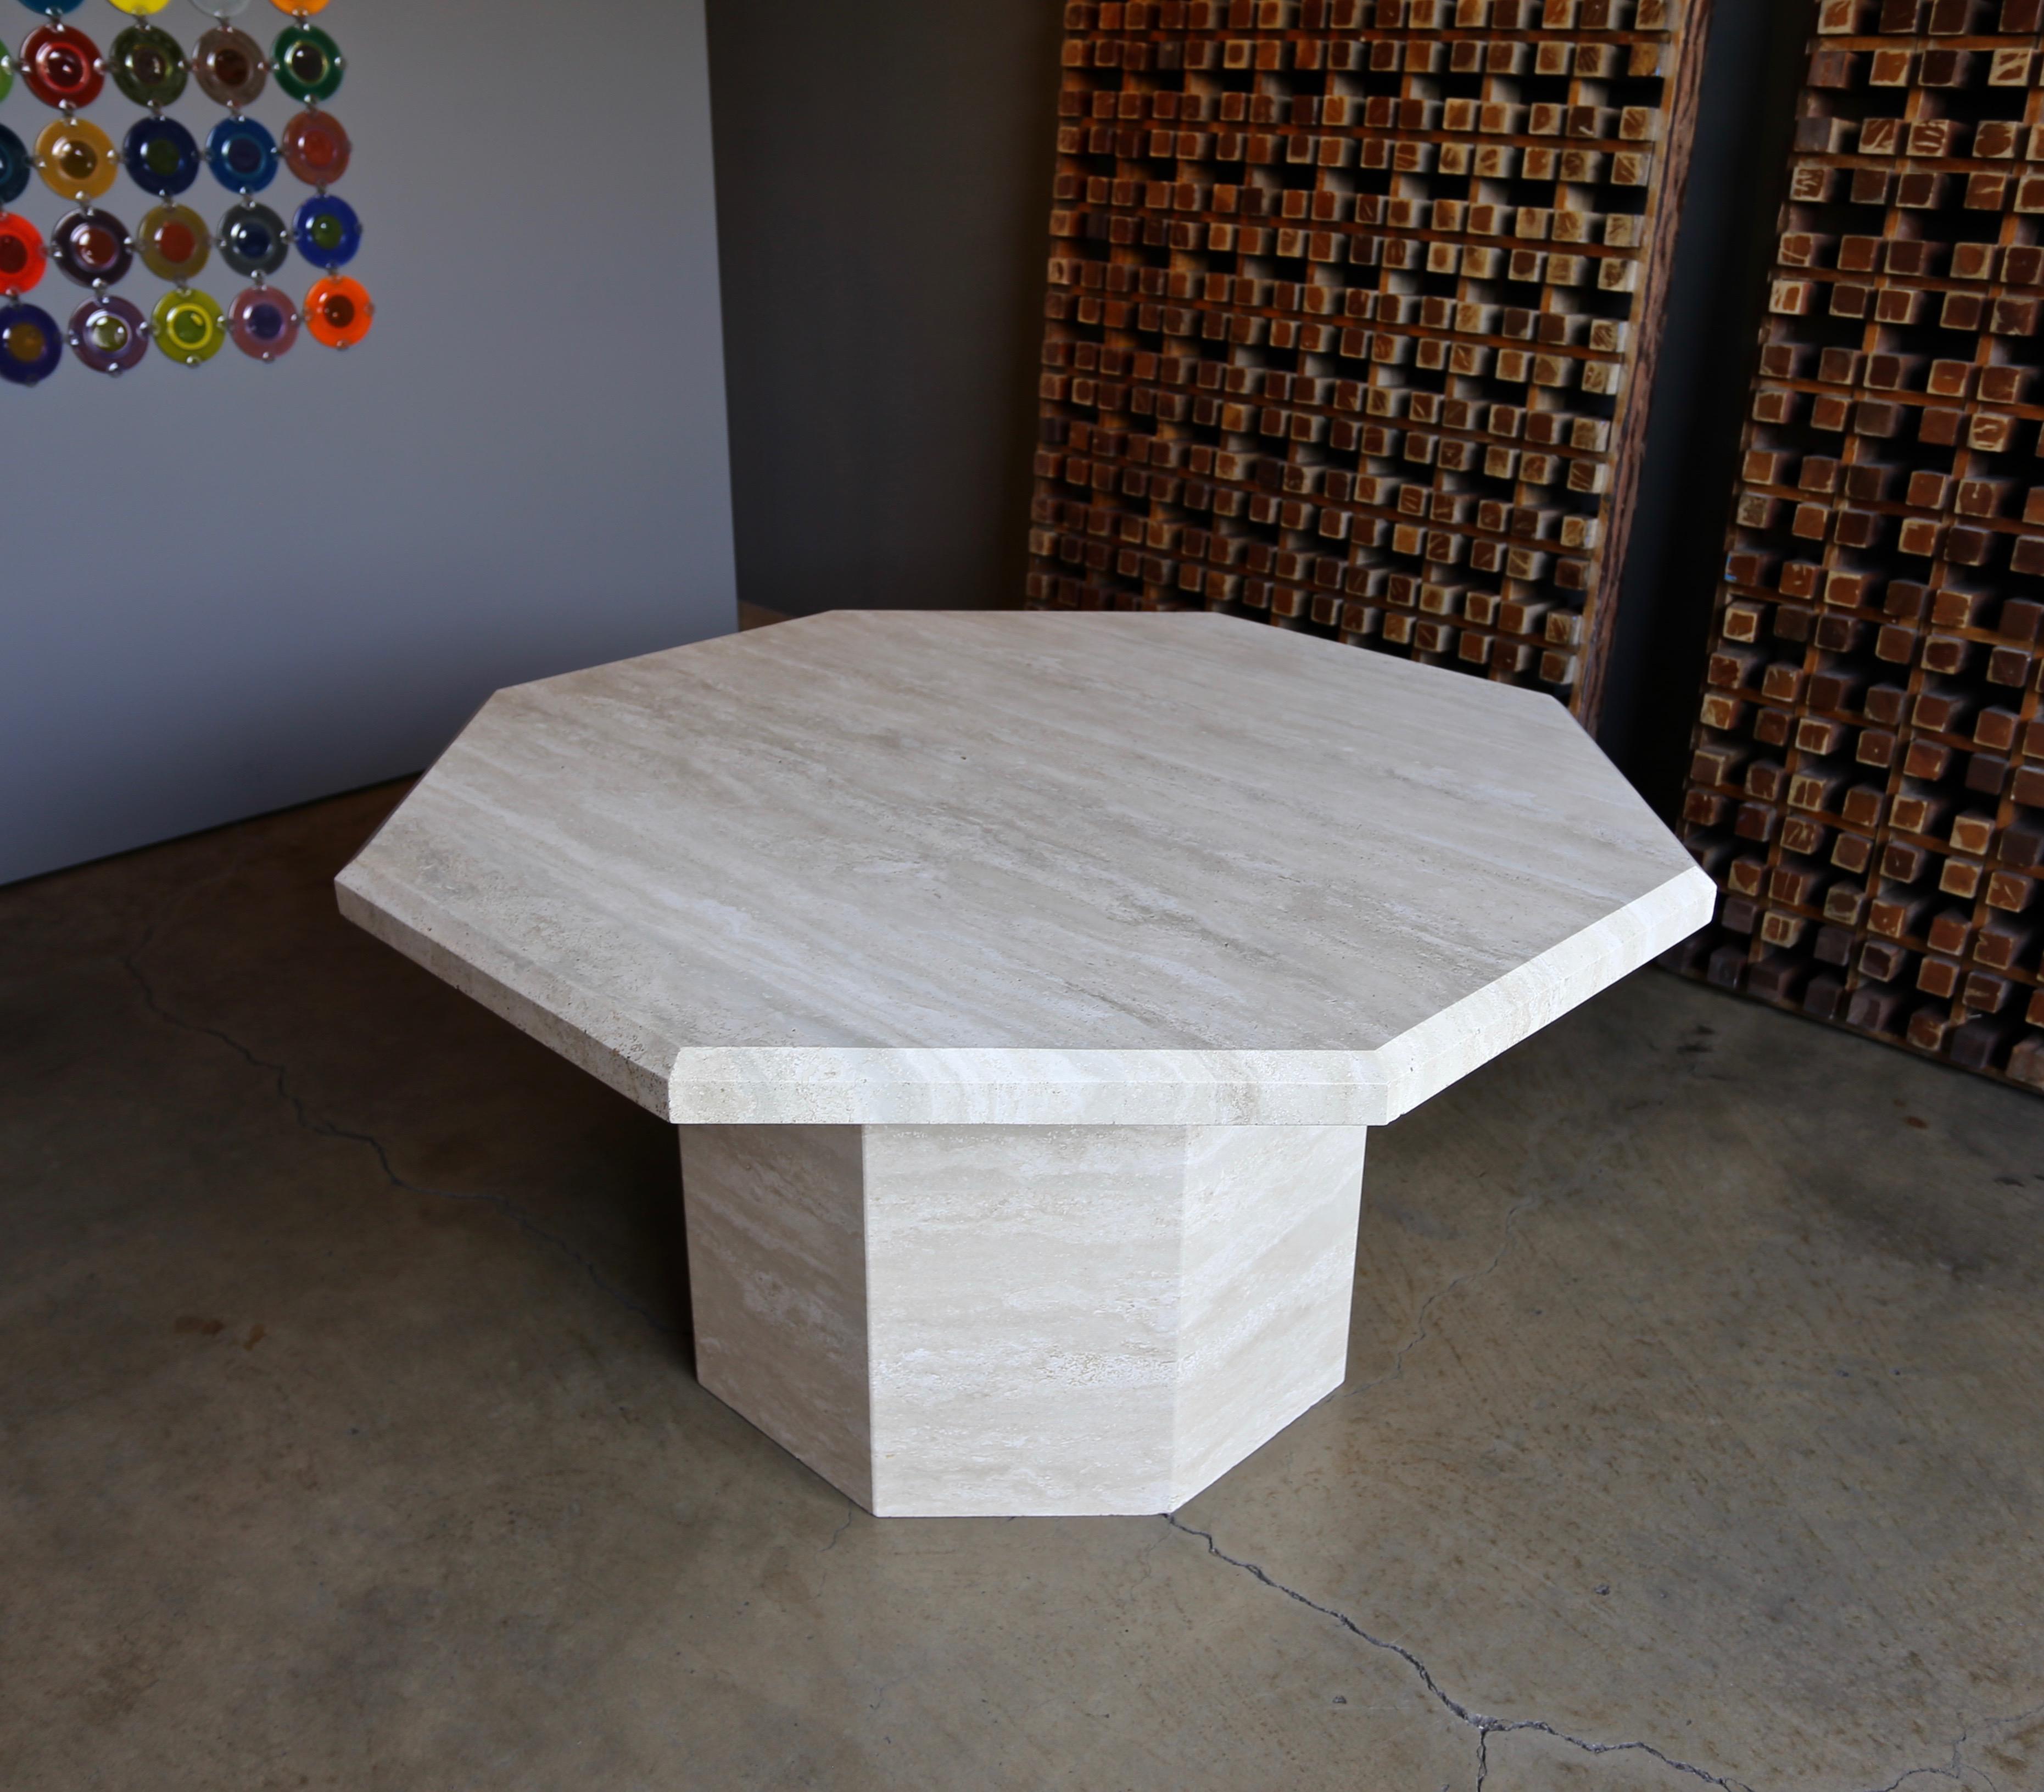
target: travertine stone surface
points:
(777, 1277)
(1023, 985)
(953, 1320)
(877, 869)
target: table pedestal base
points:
(954, 1321)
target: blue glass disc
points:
(161, 155)
(327, 232)
(31, 344)
(253, 240)
(16, 164)
(46, 7)
(242, 154)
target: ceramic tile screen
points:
(1868, 782)
(113, 208)
(1352, 312)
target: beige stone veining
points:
(871, 868)
(1024, 985)
(950, 1322)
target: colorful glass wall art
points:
(108, 220)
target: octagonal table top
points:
(889, 867)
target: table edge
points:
(857, 1086)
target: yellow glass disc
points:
(174, 242)
(141, 9)
(189, 327)
(76, 159)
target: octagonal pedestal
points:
(993, 1320)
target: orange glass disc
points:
(339, 312)
(23, 258)
(296, 9)
(76, 159)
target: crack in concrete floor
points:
(322, 1128)
(1958, 1769)
(1487, 1727)
(1468, 1278)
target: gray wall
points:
(227, 590)
(884, 186)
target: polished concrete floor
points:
(347, 1437)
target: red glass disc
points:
(61, 66)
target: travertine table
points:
(1023, 986)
